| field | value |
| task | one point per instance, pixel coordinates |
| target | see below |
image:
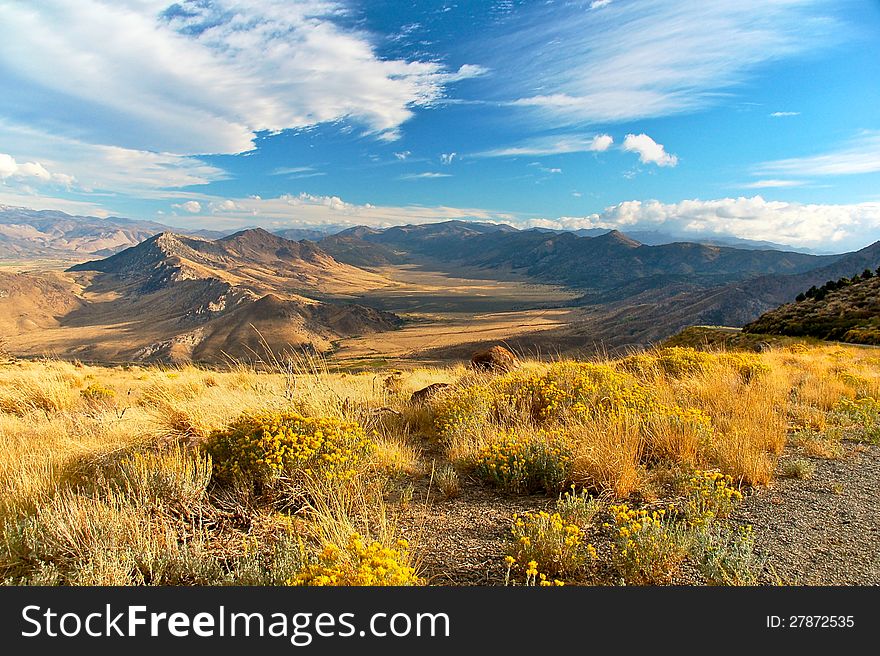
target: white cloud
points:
(771, 184)
(102, 168)
(598, 4)
(297, 172)
(446, 158)
(555, 145)
(204, 77)
(859, 155)
(402, 155)
(797, 224)
(649, 151)
(784, 114)
(423, 176)
(310, 210)
(649, 58)
(27, 171)
(191, 206)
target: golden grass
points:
(110, 487)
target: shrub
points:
(710, 495)
(680, 362)
(577, 507)
(860, 418)
(97, 394)
(554, 545)
(360, 563)
(269, 446)
(647, 548)
(524, 465)
(726, 557)
(799, 468)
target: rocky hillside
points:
(847, 310)
(178, 298)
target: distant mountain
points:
(179, 298)
(654, 314)
(598, 265)
(846, 309)
(297, 234)
(26, 233)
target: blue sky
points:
(751, 118)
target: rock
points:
(422, 395)
(496, 358)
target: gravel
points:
(823, 530)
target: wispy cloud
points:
(784, 114)
(555, 145)
(859, 155)
(204, 77)
(297, 172)
(429, 175)
(402, 155)
(649, 151)
(446, 158)
(647, 59)
(770, 184)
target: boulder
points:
(422, 395)
(496, 358)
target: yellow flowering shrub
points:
(577, 389)
(515, 464)
(679, 362)
(97, 394)
(360, 563)
(532, 576)
(548, 541)
(465, 409)
(647, 548)
(710, 496)
(271, 445)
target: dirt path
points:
(824, 530)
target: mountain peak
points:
(617, 237)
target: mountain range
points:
(180, 297)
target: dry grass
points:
(116, 490)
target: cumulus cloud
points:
(805, 225)
(554, 145)
(651, 58)
(205, 77)
(310, 210)
(649, 151)
(30, 171)
(191, 206)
